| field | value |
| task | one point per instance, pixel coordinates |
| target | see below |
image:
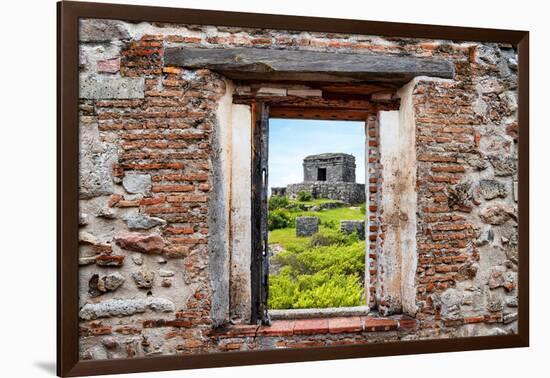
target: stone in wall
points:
(500, 277)
(498, 214)
(511, 248)
(109, 260)
(111, 87)
(503, 165)
(124, 307)
(96, 161)
(145, 243)
(144, 279)
(136, 183)
(451, 302)
(142, 222)
(307, 226)
(490, 189)
(99, 285)
(95, 30)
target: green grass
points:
(286, 237)
(342, 213)
(315, 201)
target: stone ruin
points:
(328, 175)
(307, 226)
(351, 226)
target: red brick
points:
(152, 166)
(231, 346)
(407, 323)
(345, 324)
(187, 240)
(449, 168)
(261, 41)
(172, 70)
(450, 227)
(152, 201)
(310, 326)
(434, 209)
(114, 199)
(188, 198)
(109, 260)
(376, 324)
(204, 187)
(181, 39)
(436, 158)
(173, 188)
(277, 328)
(128, 330)
(474, 319)
(449, 236)
(179, 230)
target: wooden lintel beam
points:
(342, 104)
(269, 64)
(319, 113)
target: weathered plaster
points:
(241, 121)
(398, 258)
(389, 258)
(407, 199)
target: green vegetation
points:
(324, 270)
(277, 202)
(280, 218)
(304, 196)
(328, 276)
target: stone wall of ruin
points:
(151, 195)
(338, 168)
(349, 192)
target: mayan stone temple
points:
(328, 175)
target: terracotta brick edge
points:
(351, 324)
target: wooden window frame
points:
(261, 113)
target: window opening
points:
(321, 174)
(316, 214)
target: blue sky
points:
(291, 140)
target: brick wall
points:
(148, 153)
(375, 233)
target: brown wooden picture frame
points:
(69, 13)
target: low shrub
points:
(331, 237)
(304, 196)
(314, 291)
(363, 208)
(330, 223)
(328, 276)
(278, 202)
(280, 218)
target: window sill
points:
(309, 313)
(317, 326)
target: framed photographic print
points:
(240, 188)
